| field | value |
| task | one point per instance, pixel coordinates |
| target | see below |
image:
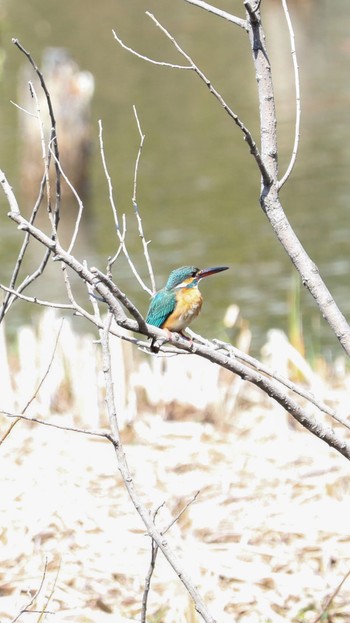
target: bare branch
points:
(219, 12)
(9, 193)
(149, 574)
(79, 201)
(268, 385)
(154, 552)
(121, 297)
(109, 181)
(247, 135)
(45, 156)
(45, 181)
(146, 58)
(156, 536)
(297, 97)
(70, 429)
(35, 300)
(50, 595)
(182, 511)
(120, 234)
(8, 300)
(297, 389)
(136, 209)
(37, 390)
(269, 197)
(27, 606)
(321, 616)
(53, 136)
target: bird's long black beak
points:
(206, 272)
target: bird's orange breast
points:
(188, 305)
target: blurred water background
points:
(198, 186)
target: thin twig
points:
(45, 156)
(120, 233)
(70, 429)
(297, 96)
(321, 616)
(129, 484)
(76, 195)
(29, 603)
(150, 571)
(109, 182)
(220, 13)
(136, 209)
(247, 135)
(181, 512)
(36, 300)
(45, 181)
(45, 605)
(154, 552)
(8, 300)
(146, 58)
(53, 136)
(39, 386)
(27, 112)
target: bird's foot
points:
(156, 343)
(186, 337)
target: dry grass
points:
(267, 539)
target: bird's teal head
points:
(189, 276)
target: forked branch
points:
(117, 300)
(267, 157)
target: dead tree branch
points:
(117, 300)
(267, 158)
(27, 606)
(152, 531)
(220, 13)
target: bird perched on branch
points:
(175, 306)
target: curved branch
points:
(297, 97)
(53, 136)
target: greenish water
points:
(198, 186)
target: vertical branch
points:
(152, 531)
(267, 108)
(269, 197)
(53, 135)
(134, 202)
(120, 233)
(297, 96)
(54, 214)
(45, 155)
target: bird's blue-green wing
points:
(162, 305)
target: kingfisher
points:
(175, 306)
